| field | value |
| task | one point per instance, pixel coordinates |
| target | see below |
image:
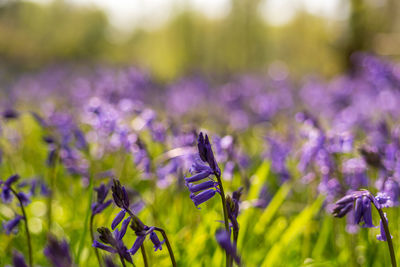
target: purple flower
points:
(199, 176)
(202, 197)
(120, 195)
(11, 224)
(6, 193)
(382, 236)
(58, 252)
(138, 242)
(114, 242)
(156, 241)
(100, 205)
(99, 245)
(120, 216)
(363, 211)
(223, 239)
(18, 260)
(194, 188)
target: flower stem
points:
(52, 180)
(122, 260)
(92, 236)
(388, 238)
(226, 220)
(171, 252)
(143, 250)
(28, 235)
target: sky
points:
(128, 14)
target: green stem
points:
(28, 235)
(388, 238)
(143, 250)
(226, 220)
(85, 225)
(171, 252)
(52, 180)
(92, 236)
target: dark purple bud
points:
(11, 224)
(223, 239)
(18, 260)
(58, 252)
(105, 235)
(202, 197)
(99, 245)
(119, 194)
(120, 216)
(382, 236)
(198, 177)
(202, 186)
(156, 241)
(202, 147)
(138, 242)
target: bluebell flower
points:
(206, 154)
(382, 236)
(120, 216)
(58, 252)
(19, 260)
(100, 205)
(138, 242)
(194, 188)
(11, 224)
(363, 211)
(156, 241)
(6, 193)
(224, 240)
(113, 242)
(202, 197)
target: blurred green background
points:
(247, 36)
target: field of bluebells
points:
(109, 167)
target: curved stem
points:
(52, 178)
(28, 235)
(226, 220)
(171, 252)
(92, 236)
(388, 238)
(143, 250)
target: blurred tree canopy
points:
(33, 36)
